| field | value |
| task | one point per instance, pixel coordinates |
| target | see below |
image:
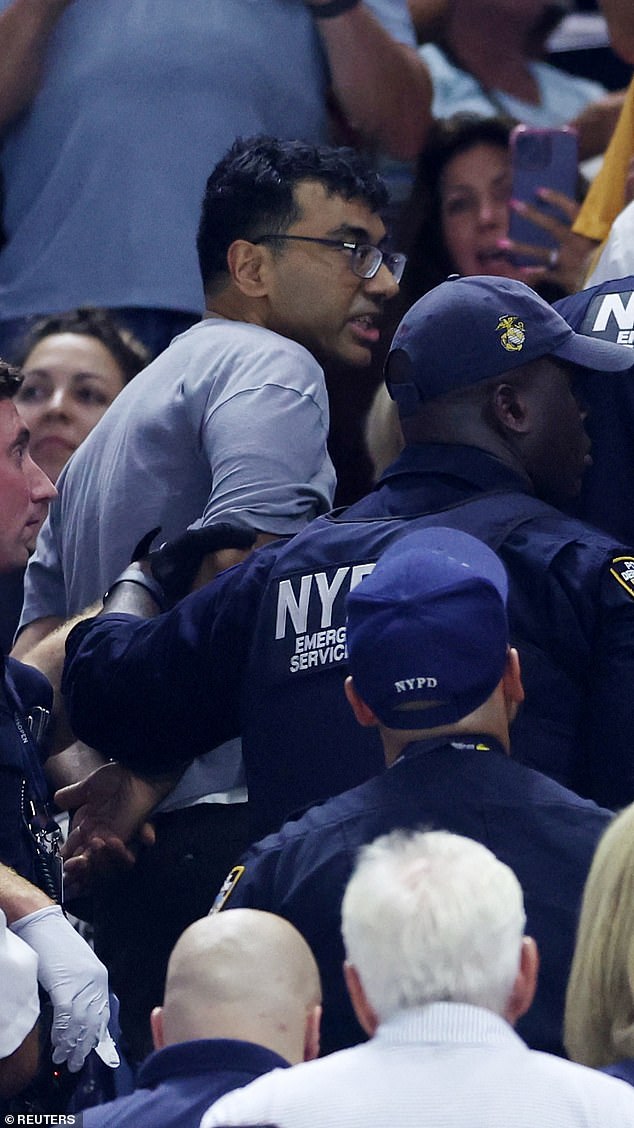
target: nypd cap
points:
(427, 631)
(471, 329)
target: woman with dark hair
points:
(74, 365)
(457, 219)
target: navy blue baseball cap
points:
(604, 312)
(427, 630)
(471, 329)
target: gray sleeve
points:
(266, 446)
(44, 589)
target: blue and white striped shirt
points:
(446, 1065)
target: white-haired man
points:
(438, 969)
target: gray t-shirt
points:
(230, 421)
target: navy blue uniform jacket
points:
(545, 833)
(261, 651)
(176, 1085)
(606, 312)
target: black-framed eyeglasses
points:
(365, 259)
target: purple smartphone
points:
(541, 158)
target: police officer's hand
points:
(176, 563)
(111, 808)
(77, 983)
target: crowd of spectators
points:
(260, 755)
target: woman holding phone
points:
(459, 215)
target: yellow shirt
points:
(606, 196)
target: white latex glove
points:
(76, 981)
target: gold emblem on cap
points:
(513, 337)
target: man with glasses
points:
(231, 421)
(365, 259)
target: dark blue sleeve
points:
(609, 769)
(155, 693)
(599, 584)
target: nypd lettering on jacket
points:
(611, 317)
(303, 609)
(316, 598)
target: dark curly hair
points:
(421, 227)
(251, 192)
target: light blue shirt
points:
(104, 174)
(561, 96)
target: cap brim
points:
(590, 352)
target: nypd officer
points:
(483, 371)
(431, 670)
(30, 891)
(606, 312)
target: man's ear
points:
(311, 1034)
(512, 680)
(245, 261)
(509, 408)
(525, 984)
(366, 1016)
(156, 1024)
(362, 712)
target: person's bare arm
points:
(620, 17)
(595, 124)
(25, 28)
(428, 17)
(72, 762)
(382, 86)
(112, 803)
(18, 897)
(34, 633)
(20, 1067)
(112, 806)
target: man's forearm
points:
(72, 764)
(18, 897)
(382, 86)
(25, 28)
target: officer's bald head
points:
(242, 974)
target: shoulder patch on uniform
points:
(622, 568)
(228, 886)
